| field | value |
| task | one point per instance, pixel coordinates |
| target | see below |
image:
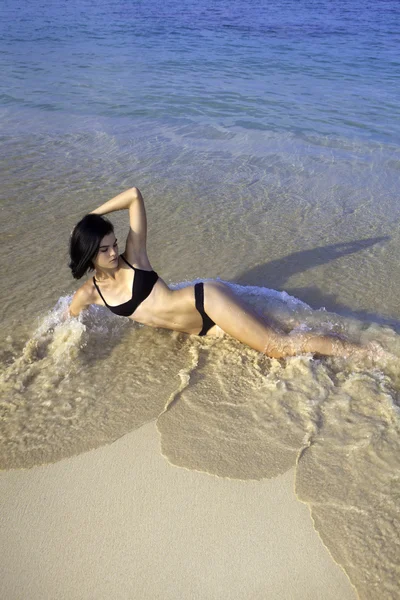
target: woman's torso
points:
(163, 307)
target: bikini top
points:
(143, 283)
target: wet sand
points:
(121, 522)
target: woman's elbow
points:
(135, 194)
(70, 312)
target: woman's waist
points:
(167, 308)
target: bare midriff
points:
(170, 309)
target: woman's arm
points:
(132, 199)
(120, 202)
(81, 300)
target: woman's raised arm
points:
(120, 202)
(132, 200)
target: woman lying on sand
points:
(128, 286)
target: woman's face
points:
(107, 256)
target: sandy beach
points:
(147, 464)
(121, 522)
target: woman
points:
(128, 286)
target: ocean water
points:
(265, 140)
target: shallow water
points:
(265, 143)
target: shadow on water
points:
(276, 273)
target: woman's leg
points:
(239, 321)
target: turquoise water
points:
(304, 67)
(282, 117)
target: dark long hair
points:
(85, 242)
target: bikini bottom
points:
(199, 299)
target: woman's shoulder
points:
(87, 292)
(83, 297)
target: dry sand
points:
(120, 522)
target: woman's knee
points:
(280, 345)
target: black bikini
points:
(143, 283)
(142, 286)
(199, 299)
